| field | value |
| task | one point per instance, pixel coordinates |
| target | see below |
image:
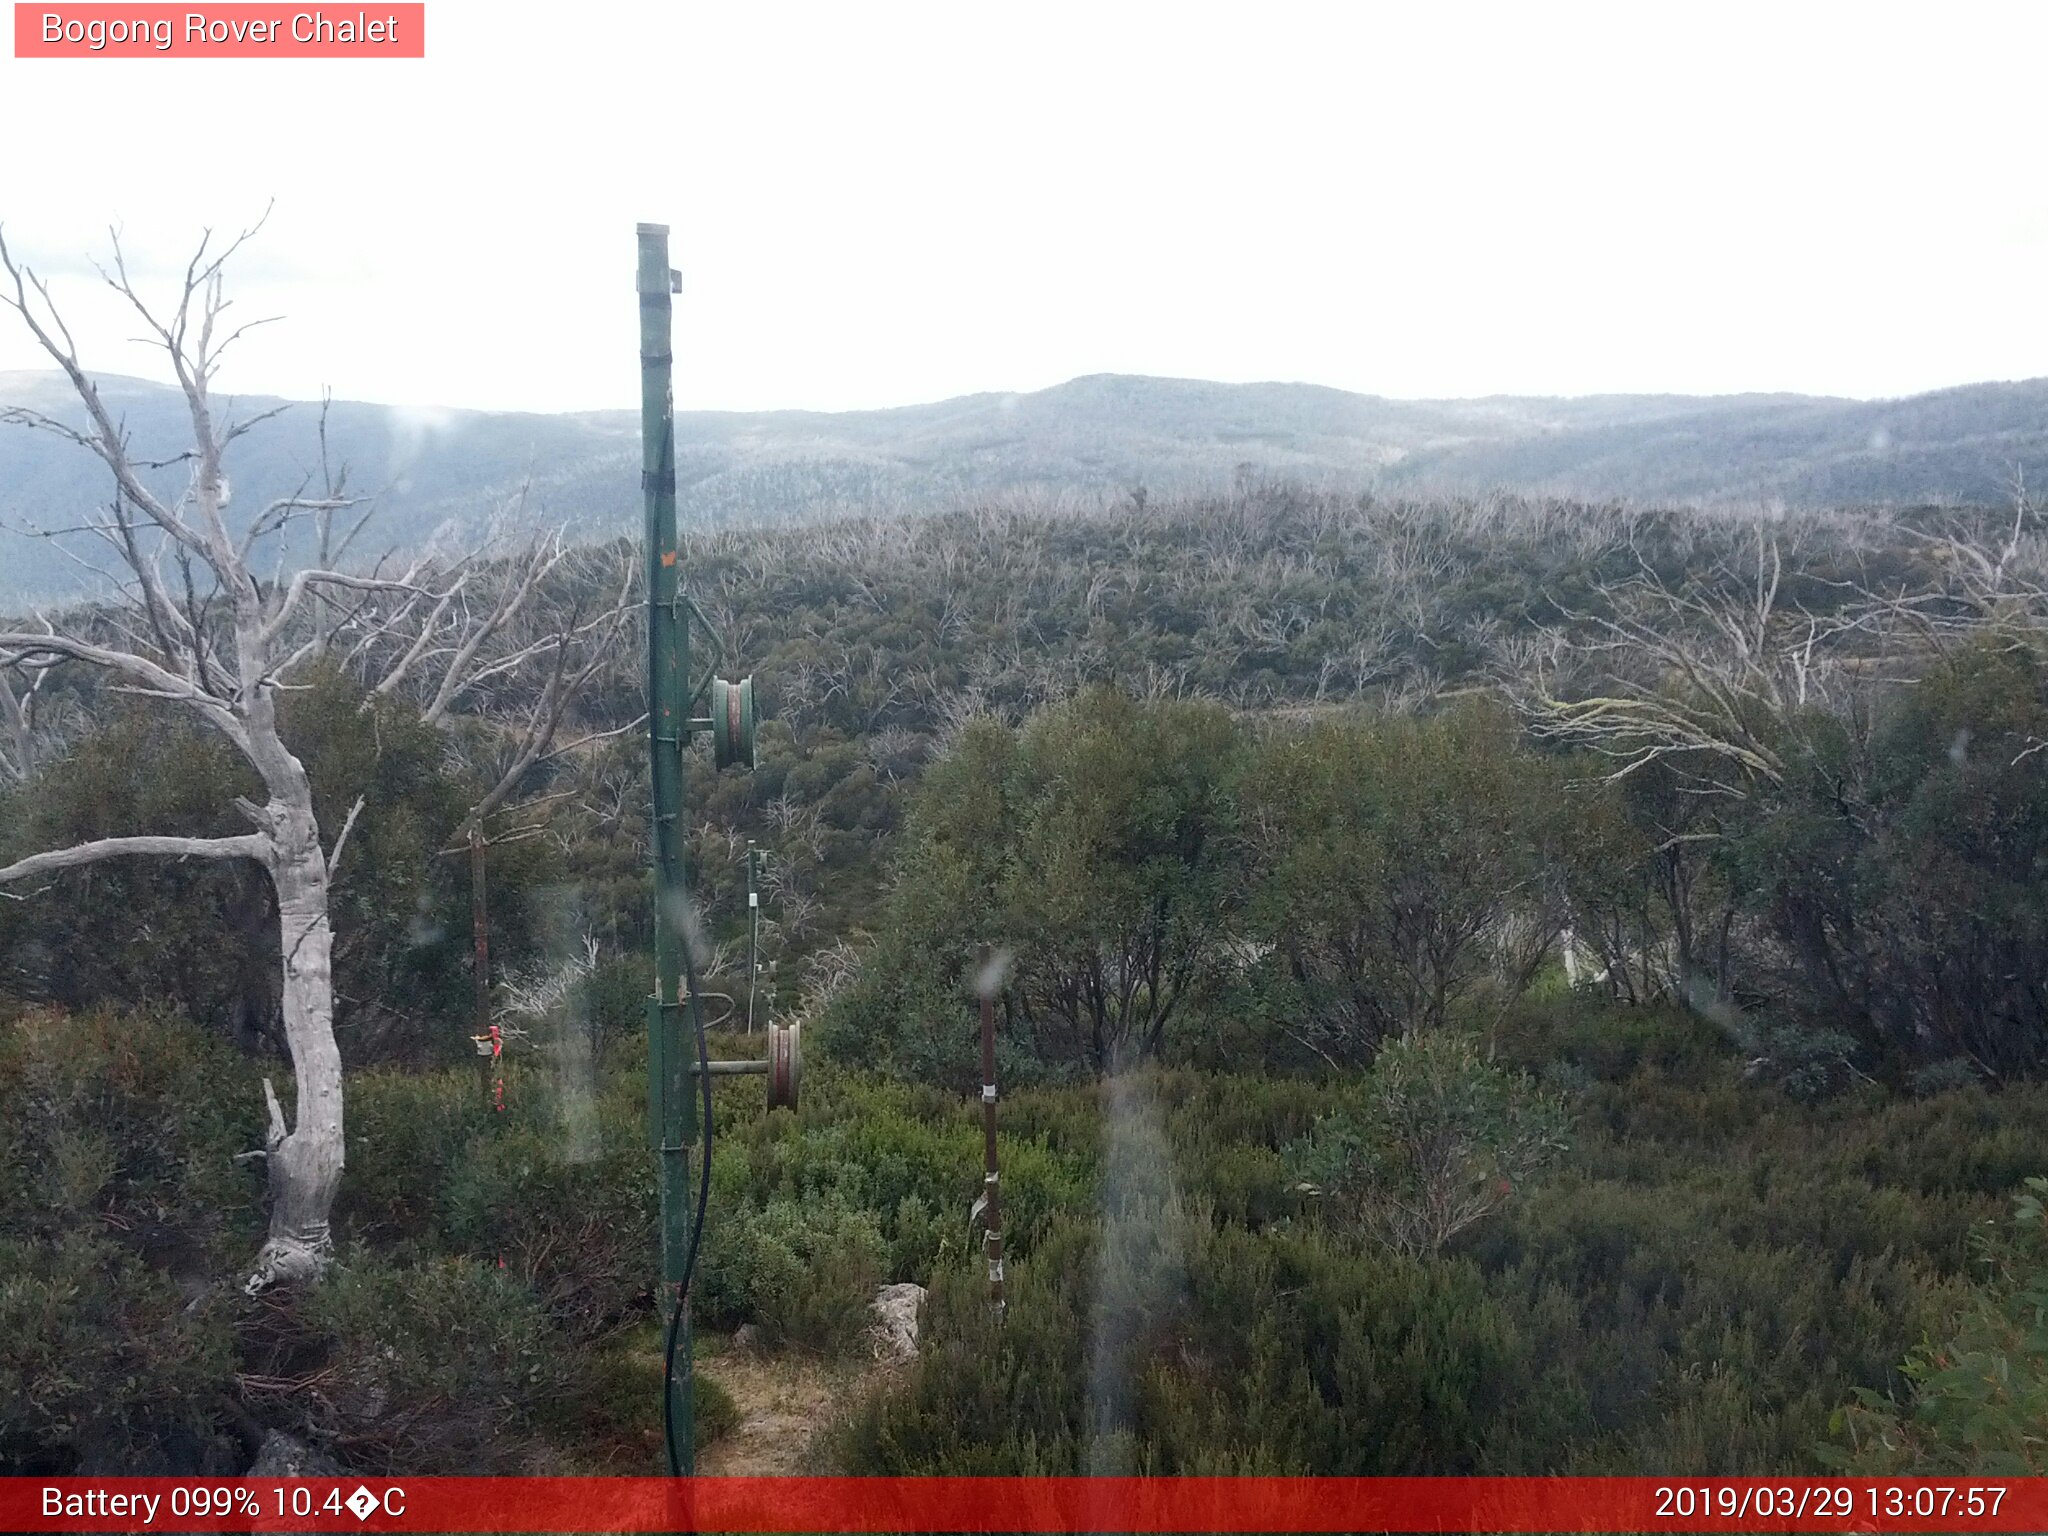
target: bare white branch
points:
(248, 846)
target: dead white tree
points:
(1706, 677)
(195, 628)
(1986, 582)
(19, 747)
(514, 641)
(1709, 683)
(1703, 677)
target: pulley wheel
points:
(785, 1064)
(732, 722)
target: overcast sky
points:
(875, 204)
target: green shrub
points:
(200, 936)
(1696, 1287)
(1611, 1041)
(910, 1156)
(803, 1270)
(103, 1366)
(575, 1223)
(616, 1406)
(1218, 1352)
(445, 1366)
(406, 1132)
(1978, 1400)
(1384, 850)
(615, 996)
(1445, 1139)
(1809, 1064)
(131, 1119)
(1095, 840)
(568, 1207)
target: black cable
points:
(675, 1321)
(667, 475)
(731, 1010)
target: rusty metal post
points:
(753, 930)
(990, 1206)
(487, 1033)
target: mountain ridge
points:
(1095, 437)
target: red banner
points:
(223, 31)
(1105, 1504)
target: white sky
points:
(875, 204)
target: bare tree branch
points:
(341, 842)
(248, 846)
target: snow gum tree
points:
(195, 628)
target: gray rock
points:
(282, 1456)
(894, 1330)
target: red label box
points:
(1301, 1505)
(234, 30)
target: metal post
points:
(991, 1203)
(753, 931)
(480, 935)
(672, 1105)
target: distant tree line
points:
(1354, 765)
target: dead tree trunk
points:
(223, 647)
(306, 1159)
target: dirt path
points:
(785, 1402)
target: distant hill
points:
(1094, 438)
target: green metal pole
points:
(672, 1107)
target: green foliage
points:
(1600, 1039)
(1708, 1275)
(1387, 853)
(558, 1188)
(573, 1217)
(615, 995)
(1147, 865)
(1096, 846)
(407, 1132)
(1907, 879)
(123, 1214)
(1446, 1138)
(809, 1213)
(1719, 1262)
(713, 1411)
(133, 1122)
(869, 1182)
(803, 1270)
(400, 908)
(119, 1203)
(436, 1366)
(1695, 1288)
(1117, 876)
(144, 933)
(103, 1366)
(909, 1157)
(1978, 1400)
(201, 936)
(616, 1406)
(1808, 1062)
